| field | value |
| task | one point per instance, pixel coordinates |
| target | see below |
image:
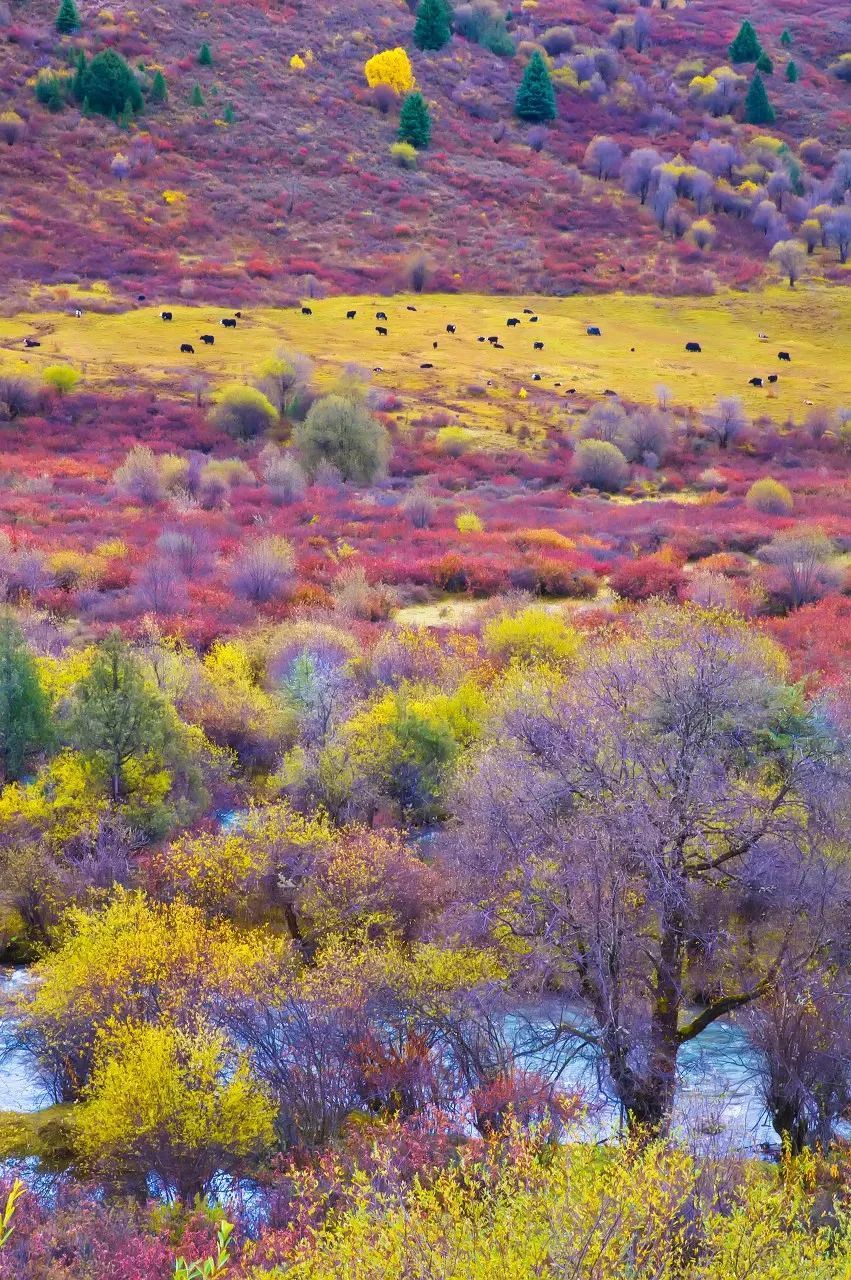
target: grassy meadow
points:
(642, 347)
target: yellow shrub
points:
(61, 377)
(405, 154)
(769, 496)
(171, 1102)
(297, 62)
(534, 635)
(468, 522)
(391, 67)
(454, 440)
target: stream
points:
(717, 1099)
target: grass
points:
(812, 323)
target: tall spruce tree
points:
(415, 121)
(792, 72)
(108, 84)
(746, 46)
(205, 57)
(159, 88)
(67, 19)
(433, 28)
(758, 110)
(25, 725)
(536, 99)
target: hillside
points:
(280, 183)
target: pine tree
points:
(758, 110)
(786, 38)
(67, 19)
(205, 57)
(24, 713)
(536, 99)
(159, 88)
(78, 84)
(415, 121)
(764, 64)
(108, 84)
(433, 27)
(792, 72)
(746, 46)
(197, 98)
(228, 115)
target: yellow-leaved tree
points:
(133, 960)
(391, 67)
(171, 1107)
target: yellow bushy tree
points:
(133, 960)
(172, 1106)
(391, 67)
(533, 635)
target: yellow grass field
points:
(135, 347)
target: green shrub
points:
(342, 432)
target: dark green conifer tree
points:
(415, 121)
(159, 88)
(792, 72)
(536, 99)
(67, 19)
(758, 110)
(25, 725)
(205, 57)
(765, 65)
(197, 98)
(746, 46)
(108, 85)
(433, 28)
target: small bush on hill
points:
(342, 432)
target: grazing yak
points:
(450, 328)
(426, 366)
(538, 346)
(381, 315)
(593, 331)
(350, 315)
(166, 315)
(379, 330)
(31, 342)
(783, 355)
(756, 382)
(186, 348)
(306, 311)
(208, 339)
(512, 321)
(229, 324)
(693, 346)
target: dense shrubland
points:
(643, 92)
(364, 767)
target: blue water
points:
(717, 1101)
(19, 1090)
